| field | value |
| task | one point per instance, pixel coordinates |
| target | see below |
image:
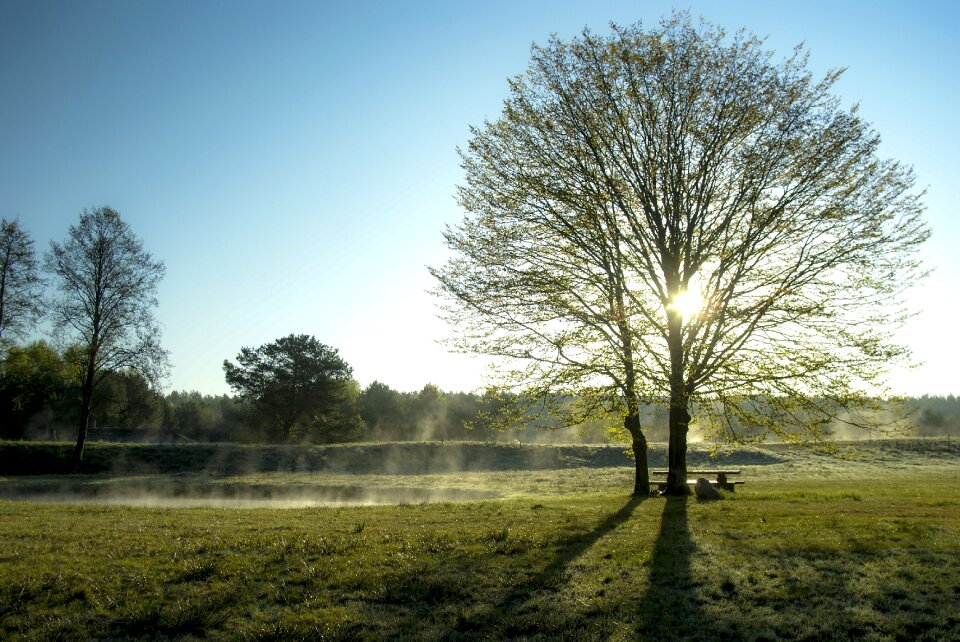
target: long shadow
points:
(670, 609)
(570, 550)
(512, 607)
(514, 616)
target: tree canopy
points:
(296, 384)
(671, 215)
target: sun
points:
(688, 303)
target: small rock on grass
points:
(705, 490)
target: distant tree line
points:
(40, 391)
(101, 367)
(936, 415)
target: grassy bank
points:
(389, 458)
(33, 458)
(787, 558)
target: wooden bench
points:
(720, 478)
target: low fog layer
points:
(231, 476)
(199, 494)
(205, 475)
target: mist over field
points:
(232, 476)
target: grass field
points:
(811, 548)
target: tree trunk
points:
(82, 431)
(677, 451)
(641, 483)
(679, 417)
(86, 404)
(3, 287)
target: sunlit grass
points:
(869, 550)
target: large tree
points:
(296, 384)
(107, 286)
(20, 281)
(674, 216)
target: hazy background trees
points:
(39, 400)
(671, 215)
(127, 401)
(106, 290)
(37, 391)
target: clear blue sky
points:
(294, 163)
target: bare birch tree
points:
(631, 174)
(107, 287)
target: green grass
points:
(811, 548)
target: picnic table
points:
(718, 478)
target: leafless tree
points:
(107, 287)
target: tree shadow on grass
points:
(551, 576)
(550, 604)
(670, 609)
(446, 606)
